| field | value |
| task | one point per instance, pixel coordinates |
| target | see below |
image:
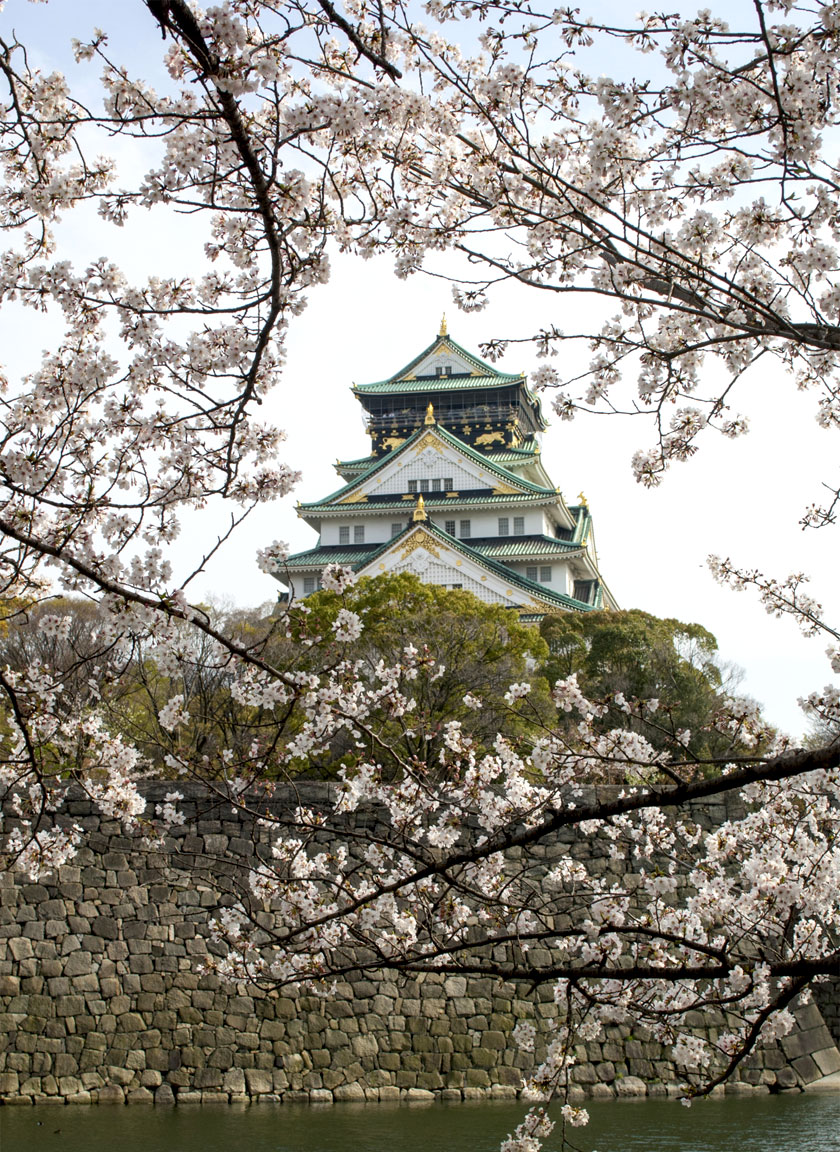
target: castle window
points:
(396, 528)
(583, 591)
(531, 572)
(424, 485)
(456, 585)
(436, 485)
(449, 483)
(308, 585)
(358, 533)
(412, 485)
(344, 535)
(504, 526)
(464, 529)
(545, 574)
(449, 526)
(519, 525)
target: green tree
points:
(641, 657)
(73, 641)
(478, 650)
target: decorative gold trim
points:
(428, 441)
(443, 329)
(355, 498)
(504, 490)
(420, 510)
(430, 415)
(420, 539)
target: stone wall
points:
(102, 998)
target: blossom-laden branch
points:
(700, 200)
(462, 871)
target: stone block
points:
(110, 1094)
(602, 1092)
(234, 1081)
(808, 1016)
(258, 1081)
(365, 1045)
(20, 948)
(828, 1061)
(806, 1069)
(208, 1078)
(140, 1095)
(353, 1091)
(804, 1043)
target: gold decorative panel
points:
(421, 539)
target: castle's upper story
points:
(485, 408)
(454, 489)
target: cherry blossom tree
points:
(695, 186)
(701, 200)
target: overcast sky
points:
(741, 499)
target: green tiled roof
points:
(448, 437)
(484, 370)
(520, 547)
(512, 456)
(437, 384)
(360, 465)
(583, 517)
(434, 501)
(316, 557)
(331, 554)
(500, 457)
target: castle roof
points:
(513, 487)
(360, 558)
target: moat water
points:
(787, 1123)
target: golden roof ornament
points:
(584, 502)
(443, 329)
(420, 510)
(430, 415)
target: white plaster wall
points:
(429, 465)
(487, 523)
(561, 579)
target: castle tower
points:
(454, 490)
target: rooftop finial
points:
(443, 329)
(430, 414)
(583, 500)
(420, 510)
